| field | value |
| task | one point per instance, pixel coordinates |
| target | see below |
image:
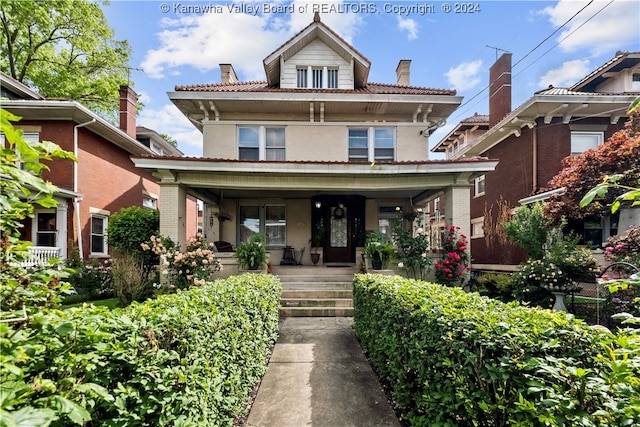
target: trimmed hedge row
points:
(451, 358)
(186, 359)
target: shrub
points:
(128, 280)
(92, 278)
(453, 269)
(252, 254)
(625, 248)
(190, 358)
(412, 245)
(495, 285)
(378, 249)
(453, 358)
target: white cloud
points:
(408, 25)
(465, 76)
(569, 73)
(206, 40)
(169, 120)
(610, 29)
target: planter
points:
(559, 304)
(376, 264)
(315, 258)
(253, 266)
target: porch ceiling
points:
(211, 179)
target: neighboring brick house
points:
(530, 143)
(316, 148)
(102, 181)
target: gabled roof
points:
(316, 30)
(157, 139)
(619, 62)
(13, 89)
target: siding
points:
(316, 54)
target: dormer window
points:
(321, 78)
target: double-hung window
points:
(479, 185)
(372, 144)
(98, 235)
(46, 228)
(261, 143)
(317, 78)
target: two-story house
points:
(102, 181)
(530, 143)
(314, 149)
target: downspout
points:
(535, 161)
(76, 200)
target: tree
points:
(618, 157)
(64, 48)
(169, 139)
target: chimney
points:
(227, 74)
(403, 71)
(128, 110)
(500, 89)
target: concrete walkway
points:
(318, 376)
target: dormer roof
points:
(317, 30)
(619, 62)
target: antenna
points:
(129, 69)
(498, 49)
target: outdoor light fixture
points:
(211, 219)
(318, 204)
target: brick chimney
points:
(128, 110)
(500, 89)
(227, 74)
(403, 72)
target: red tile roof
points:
(261, 86)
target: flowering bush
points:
(91, 278)
(194, 266)
(625, 248)
(412, 246)
(453, 268)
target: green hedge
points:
(451, 358)
(190, 358)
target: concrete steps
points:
(316, 291)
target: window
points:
(261, 143)
(386, 217)
(332, 78)
(477, 228)
(269, 219)
(583, 141)
(317, 78)
(635, 82)
(46, 229)
(301, 77)
(149, 202)
(98, 235)
(479, 185)
(31, 138)
(369, 144)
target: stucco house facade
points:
(315, 149)
(530, 143)
(102, 181)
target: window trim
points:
(474, 223)
(35, 231)
(476, 185)
(598, 134)
(262, 209)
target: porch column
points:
(62, 232)
(173, 212)
(458, 209)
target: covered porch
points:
(292, 201)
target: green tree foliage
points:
(528, 229)
(130, 227)
(169, 139)
(21, 188)
(64, 48)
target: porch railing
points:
(39, 255)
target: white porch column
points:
(173, 212)
(458, 209)
(62, 232)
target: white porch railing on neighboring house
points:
(39, 255)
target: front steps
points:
(316, 291)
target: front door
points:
(341, 219)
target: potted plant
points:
(252, 254)
(379, 249)
(317, 241)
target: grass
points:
(111, 303)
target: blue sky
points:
(182, 42)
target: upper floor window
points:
(321, 77)
(261, 143)
(582, 141)
(479, 185)
(369, 144)
(149, 202)
(635, 82)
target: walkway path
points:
(319, 377)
